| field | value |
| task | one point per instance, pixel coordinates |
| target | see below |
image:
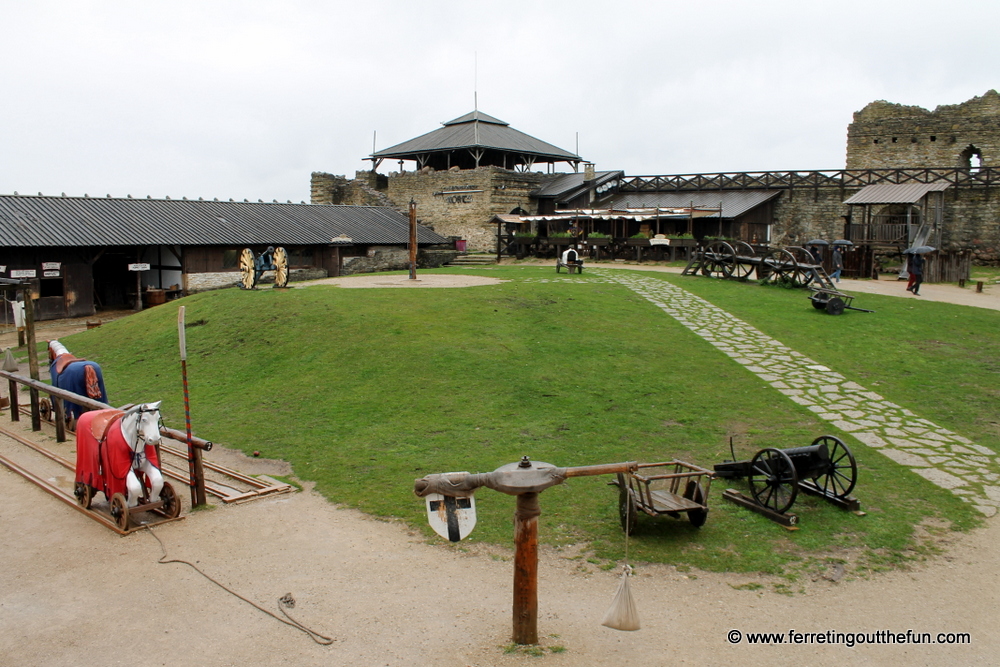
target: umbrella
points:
(919, 250)
(843, 242)
(817, 242)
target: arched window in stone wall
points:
(971, 158)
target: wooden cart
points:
(670, 488)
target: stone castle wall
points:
(461, 202)
(457, 202)
(893, 136)
(362, 191)
(971, 219)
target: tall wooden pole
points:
(195, 470)
(526, 569)
(29, 326)
(413, 240)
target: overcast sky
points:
(246, 99)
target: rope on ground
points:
(285, 601)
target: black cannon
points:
(825, 468)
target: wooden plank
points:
(664, 501)
(734, 496)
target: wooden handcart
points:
(833, 301)
(668, 488)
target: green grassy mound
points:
(364, 390)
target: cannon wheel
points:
(171, 503)
(119, 511)
(280, 267)
(720, 258)
(247, 274)
(696, 493)
(773, 481)
(778, 265)
(742, 270)
(626, 506)
(835, 306)
(842, 475)
(84, 495)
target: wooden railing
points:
(834, 178)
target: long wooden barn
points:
(77, 251)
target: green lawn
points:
(363, 391)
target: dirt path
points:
(72, 592)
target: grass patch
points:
(363, 391)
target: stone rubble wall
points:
(391, 258)
(461, 202)
(970, 215)
(893, 136)
(204, 282)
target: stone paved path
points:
(947, 459)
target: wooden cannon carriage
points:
(792, 266)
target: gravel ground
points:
(73, 592)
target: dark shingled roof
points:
(81, 221)
(734, 202)
(477, 130)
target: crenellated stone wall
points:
(893, 136)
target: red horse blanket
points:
(103, 459)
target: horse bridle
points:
(137, 452)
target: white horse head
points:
(141, 427)
(56, 349)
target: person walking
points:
(837, 262)
(916, 273)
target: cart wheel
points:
(773, 481)
(741, 270)
(835, 306)
(84, 495)
(171, 503)
(626, 506)
(695, 493)
(818, 304)
(119, 510)
(842, 474)
(280, 267)
(247, 273)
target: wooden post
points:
(15, 411)
(526, 569)
(413, 240)
(29, 325)
(59, 415)
(196, 472)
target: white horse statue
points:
(140, 428)
(116, 454)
